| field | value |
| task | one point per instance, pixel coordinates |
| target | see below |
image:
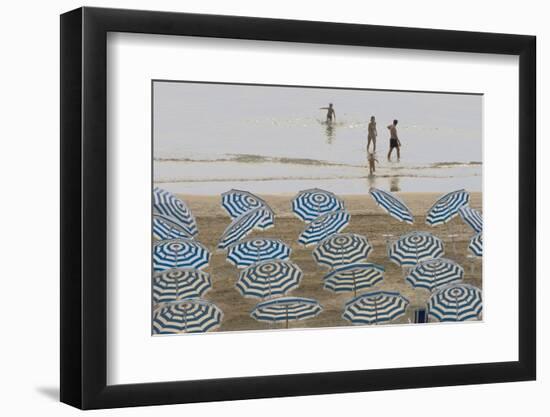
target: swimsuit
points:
(393, 143)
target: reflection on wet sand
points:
(329, 133)
(394, 184)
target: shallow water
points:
(209, 138)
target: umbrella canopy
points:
(312, 203)
(324, 226)
(353, 277)
(269, 279)
(456, 302)
(178, 283)
(435, 273)
(447, 207)
(375, 307)
(415, 247)
(187, 316)
(342, 249)
(261, 218)
(238, 202)
(392, 204)
(166, 228)
(472, 218)
(179, 253)
(476, 245)
(286, 309)
(250, 251)
(169, 205)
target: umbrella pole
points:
(287, 317)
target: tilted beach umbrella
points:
(415, 247)
(342, 249)
(375, 307)
(167, 204)
(260, 218)
(165, 228)
(269, 279)
(179, 283)
(456, 302)
(476, 245)
(192, 315)
(353, 277)
(392, 204)
(435, 273)
(472, 218)
(286, 309)
(324, 226)
(312, 203)
(179, 253)
(250, 251)
(446, 207)
(238, 202)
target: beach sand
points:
(366, 219)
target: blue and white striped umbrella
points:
(192, 315)
(324, 226)
(472, 218)
(310, 204)
(286, 309)
(435, 273)
(165, 228)
(179, 283)
(342, 249)
(476, 245)
(415, 247)
(392, 204)
(447, 207)
(456, 302)
(269, 279)
(353, 277)
(250, 251)
(179, 253)
(261, 218)
(375, 307)
(238, 202)
(169, 205)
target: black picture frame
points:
(84, 207)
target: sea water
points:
(208, 138)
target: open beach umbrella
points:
(165, 228)
(435, 273)
(312, 203)
(169, 205)
(476, 245)
(179, 283)
(342, 249)
(324, 226)
(446, 207)
(456, 302)
(392, 204)
(415, 247)
(179, 253)
(286, 309)
(250, 251)
(353, 277)
(269, 279)
(192, 315)
(375, 307)
(260, 218)
(238, 202)
(472, 218)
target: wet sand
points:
(366, 219)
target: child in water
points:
(371, 159)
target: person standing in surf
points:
(394, 141)
(331, 114)
(372, 134)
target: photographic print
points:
(291, 207)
